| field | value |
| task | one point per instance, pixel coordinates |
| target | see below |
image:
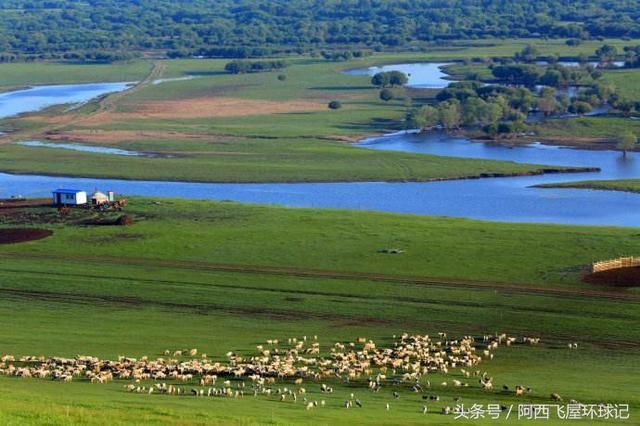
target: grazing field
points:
(225, 277)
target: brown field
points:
(116, 136)
(205, 108)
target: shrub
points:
(386, 95)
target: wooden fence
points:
(621, 262)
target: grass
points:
(265, 147)
(25, 74)
(252, 160)
(627, 82)
(107, 291)
(200, 273)
(624, 185)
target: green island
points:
(625, 185)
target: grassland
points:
(27, 74)
(225, 276)
(624, 185)
(219, 127)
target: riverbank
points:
(629, 185)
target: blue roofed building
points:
(69, 197)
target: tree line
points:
(251, 28)
(499, 109)
(243, 67)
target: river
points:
(501, 199)
(40, 97)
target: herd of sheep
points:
(282, 369)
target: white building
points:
(69, 197)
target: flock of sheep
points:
(282, 369)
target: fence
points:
(621, 262)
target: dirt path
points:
(614, 294)
(109, 102)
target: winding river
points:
(502, 199)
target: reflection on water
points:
(82, 148)
(421, 76)
(39, 97)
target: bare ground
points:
(106, 137)
(204, 108)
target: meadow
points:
(219, 127)
(254, 129)
(224, 276)
(625, 185)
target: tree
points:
(474, 111)
(528, 54)
(552, 78)
(580, 108)
(424, 118)
(626, 142)
(390, 78)
(606, 53)
(547, 105)
(386, 95)
(583, 58)
(397, 78)
(381, 79)
(625, 106)
(335, 105)
(450, 114)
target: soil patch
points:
(206, 107)
(21, 235)
(17, 203)
(621, 277)
(116, 136)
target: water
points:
(615, 64)
(40, 97)
(501, 199)
(421, 76)
(82, 148)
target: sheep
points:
(556, 397)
